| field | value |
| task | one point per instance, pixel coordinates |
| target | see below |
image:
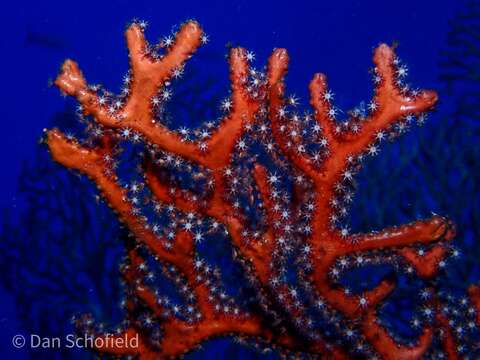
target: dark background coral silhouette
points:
(61, 246)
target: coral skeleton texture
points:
(275, 183)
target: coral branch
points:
(277, 69)
(344, 148)
(320, 101)
(419, 232)
(448, 339)
(387, 347)
(91, 162)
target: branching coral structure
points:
(275, 183)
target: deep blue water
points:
(336, 38)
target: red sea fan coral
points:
(294, 215)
